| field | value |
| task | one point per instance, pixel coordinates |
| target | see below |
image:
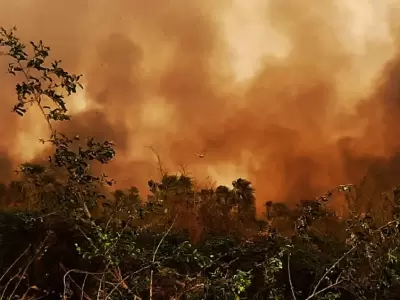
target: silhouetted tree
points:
(245, 199)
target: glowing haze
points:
(297, 98)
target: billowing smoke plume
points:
(297, 98)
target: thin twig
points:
(387, 225)
(154, 258)
(337, 282)
(83, 294)
(290, 277)
(160, 167)
(13, 264)
(8, 283)
(100, 285)
(121, 282)
(67, 274)
(191, 289)
(26, 292)
(314, 293)
(28, 265)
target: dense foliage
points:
(63, 235)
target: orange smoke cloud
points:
(297, 98)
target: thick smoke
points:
(297, 98)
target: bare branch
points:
(290, 277)
(154, 258)
(315, 292)
(160, 167)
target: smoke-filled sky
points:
(297, 98)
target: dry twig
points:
(154, 259)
